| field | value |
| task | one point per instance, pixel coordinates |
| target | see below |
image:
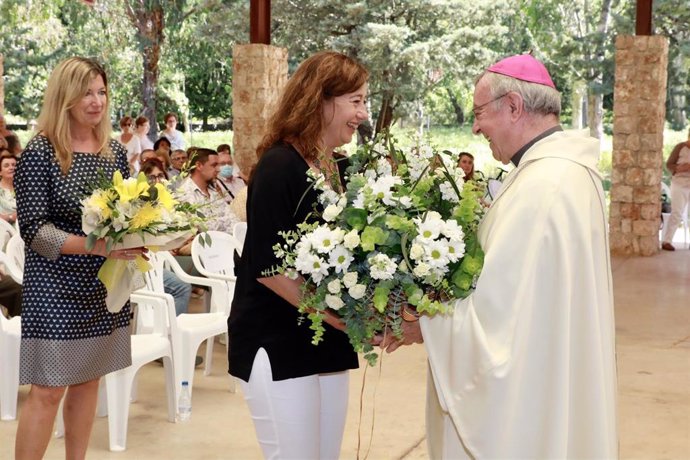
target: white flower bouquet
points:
(131, 213)
(400, 240)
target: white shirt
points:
(176, 140)
(145, 143)
(218, 214)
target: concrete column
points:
(259, 74)
(639, 111)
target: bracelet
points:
(409, 314)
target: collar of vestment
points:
(518, 155)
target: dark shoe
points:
(667, 247)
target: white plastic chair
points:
(10, 340)
(7, 230)
(15, 252)
(115, 389)
(215, 261)
(188, 331)
(239, 231)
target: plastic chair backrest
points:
(154, 277)
(216, 257)
(239, 231)
(7, 231)
(15, 251)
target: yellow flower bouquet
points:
(130, 213)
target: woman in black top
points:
(296, 391)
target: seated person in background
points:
(466, 163)
(14, 145)
(181, 291)
(141, 130)
(8, 203)
(177, 161)
(170, 131)
(200, 188)
(229, 175)
(148, 154)
(162, 149)
(239, 204)
(131, 142)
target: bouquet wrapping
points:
(131, 213)
(398, 241)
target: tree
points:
(202, 57)
(408, 46)
(151, 19)
(671, 18)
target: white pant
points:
(680, 196)
(300, 418)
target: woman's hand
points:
(99, 249)
(412, 333)
(128, 254)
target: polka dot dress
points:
(68, 335)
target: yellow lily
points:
(165, 198)
(130, 189)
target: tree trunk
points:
(385, 119)
(595, 115)
(577, 101)
(149, 23)
(457, 108)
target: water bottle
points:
(184, 405)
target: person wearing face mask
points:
(229, 174)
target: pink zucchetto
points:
(523, 67)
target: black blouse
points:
(260, 318)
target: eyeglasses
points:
(156, 177)
(474, 109)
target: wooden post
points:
(260, 22)
(643, 23)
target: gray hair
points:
(540, 99)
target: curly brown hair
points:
(298, 116)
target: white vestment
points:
(525, 366)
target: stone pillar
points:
(639, 110)
(259, 74)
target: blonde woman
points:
(69, 338)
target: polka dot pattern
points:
(68, 335)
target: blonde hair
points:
(67, 85)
